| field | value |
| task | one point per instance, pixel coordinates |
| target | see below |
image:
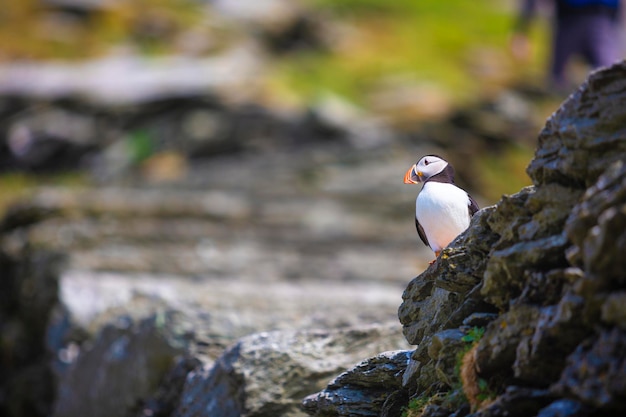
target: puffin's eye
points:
(426, 162)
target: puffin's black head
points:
(425, 168)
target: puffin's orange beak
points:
(412, 177)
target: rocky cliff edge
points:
(524, 314)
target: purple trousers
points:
(593, 36)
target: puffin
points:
(442, 210)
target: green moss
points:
(455, 397)
(486, 393)
(415, 406)
(140, 145)
(443, 43)
(474, 335)
(451, 400)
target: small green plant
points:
(486, 393)
(474, 335)
(477, 390)
(139, 145)
(415, 406)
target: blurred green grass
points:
(459, 46)
(504, 173)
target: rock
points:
(497, 349)
(595, 226)
(464, 261)
(506, 272)
(539, 361)
(594, 374)
(479, 319)
(167, 396)
(545, 266)
(125, 365)
(614, 309)
(28, 295)
(585, 135)
(268, 374)
(516, 402)
(429, 307)
(130, 79)
(563, 408)
(431, 299)
(52, 140)
(444, 349)
(362, 390)
(283, 25)
(78, 126)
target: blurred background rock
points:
(240, 162)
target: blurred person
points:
(588, 28)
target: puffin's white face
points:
(425, 168)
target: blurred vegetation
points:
(454, 44)
(504, 173)
(17, 185)
(459, 46)
(455, 51)
(30, 30)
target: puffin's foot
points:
(436, 256)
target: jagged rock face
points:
(546, 267)
(585, 135)
(362, 390)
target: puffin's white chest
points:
(442, 210)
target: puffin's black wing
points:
(473, 206)
(421, 233)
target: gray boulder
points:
(362, 390)
(268, 374)
(123, 367)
